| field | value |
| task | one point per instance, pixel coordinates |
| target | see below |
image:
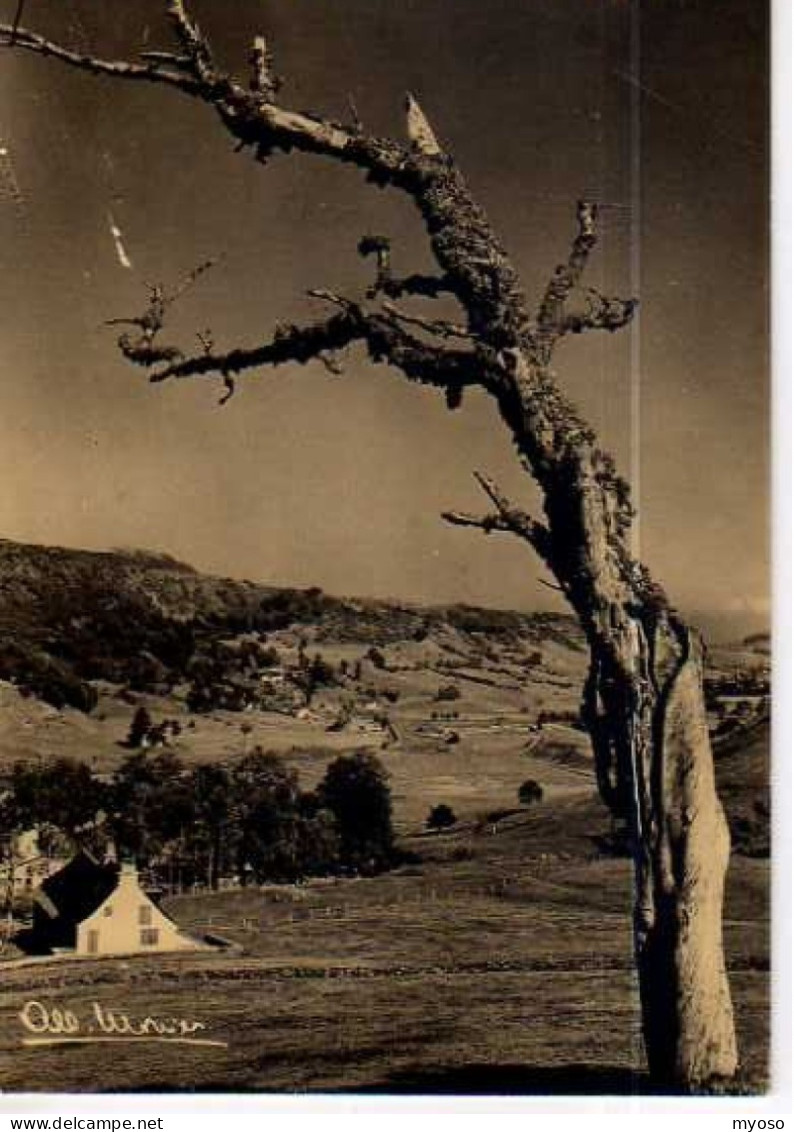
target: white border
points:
(194, 1113)
(782, 277)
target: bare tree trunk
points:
(655, 769)
(681, 863)
(644, 702)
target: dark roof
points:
(79, 888)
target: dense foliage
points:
(356, 791)
(248, 821)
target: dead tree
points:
(643, 699)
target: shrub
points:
(529, 792)
(448, 692)
(568, 718)
(139, 728)
(38, 674)
(441, 817)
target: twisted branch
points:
(507, 518)
(152, 70)
(382, 332)
(195, 45)
(428, 286)
(599, 312)
(251, 115)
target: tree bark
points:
(687, 1012)
(655, 769)
(644, 702)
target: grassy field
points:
(494, 754)
(502, 963)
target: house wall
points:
(129, 921)
(28, 875)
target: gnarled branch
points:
(437, 326)
(506, 518)
(385, 338)
(193, 42)
(183, 62)
(143, 348)
(486, 523)
(599, 312)
(300, 344)
(250, 117)
(264, 81)
(152, 70)
(420, 132)
(427, 286)
(567, 275)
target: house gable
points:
(129, 921)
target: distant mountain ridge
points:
(68, 617)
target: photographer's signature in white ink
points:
(52, 1024)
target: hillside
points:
(743, 778)
(68, 617)
(462, 704)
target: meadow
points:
(500, 964)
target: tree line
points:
(250, 820)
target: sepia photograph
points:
(385, 659)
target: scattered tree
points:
(448, 692)
(266, 793)
(152, 805)
(355, 789)
(441, 817)
(139, 728)
(529, 792)
(320, 674)
(211, 831)
(63, 794)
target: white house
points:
(101, 909)
(128, 920)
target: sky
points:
(657, 110)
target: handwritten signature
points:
(54, 1025)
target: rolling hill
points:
(462, 703)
